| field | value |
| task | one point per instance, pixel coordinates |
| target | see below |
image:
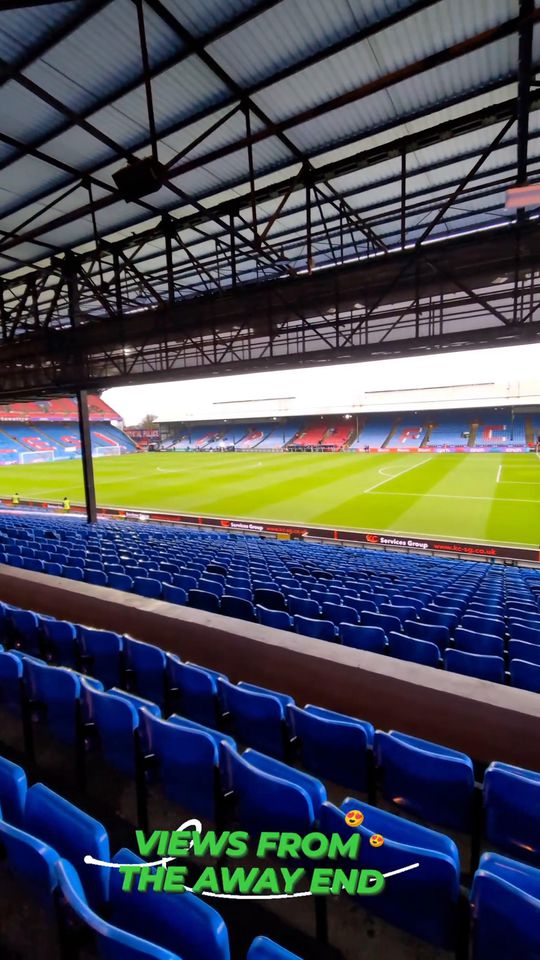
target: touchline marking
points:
(499, 473)
(452, 496)
(396, 475)
(197, 826)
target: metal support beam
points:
(86, 453)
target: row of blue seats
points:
(427, 644)
(269, 795)
(43, 836)
(435, 784)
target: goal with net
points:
(107, 451)
(36, 456)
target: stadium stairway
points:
(432, 805)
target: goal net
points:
(107, 451)
(36, 456)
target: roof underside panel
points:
(324, 90)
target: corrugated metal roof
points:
(97, 70)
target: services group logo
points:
(299, 871)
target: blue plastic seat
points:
(52, 568)
(114, 721)
(264, 949)
(185, 923)
(304, 608)
(404, 600)
(383, 620)
(120, 581)
(73, 573)
(210, 586)
(13, 789)
(274, 618)
(521, 650)
(210, 574)
(174, 595)
(438, 618)
(185, 582)
(402, 612)
(522, 632)
(505, 902)
(32, 861)
(360, 604)
(147, 587)
(512, 810)
(430, 781)
(192, 690)
(235, 607)
(479, 665)
(203, 600)
(319, 629)
(433, 633)
(186, 764)
(61, 642)
(24, 627)
(426, 905)
(54, 692)
(333, 746)
(145, 664)
(372, 639)
(242, 593)
(325, 596)
(415, 651)
(72, 833)
(281, 800)
(472, 642)
(101, 654)
(11, 671)
(111, 942)
(525, 675)
(258, 718)
(484, 625)
(97, 578)
(339, 613)
(272, 599)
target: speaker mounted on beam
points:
(139, 178)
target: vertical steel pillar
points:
(403, 197)
(526, 26)
(86, 452)
(82, 402)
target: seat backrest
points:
(265, 801)
(512, 810)
(332, 747)
(187, 763)
(434, 633)
(73, 834)
(319, 629)
(236, 607)
(184, 923)
(111, 942)
(521, 650)
(274, 618)
(474, 642)
(523, 632)
(305, 608)
(258, 719)
(272, 599)
(147, 587)
(432, 782)
(148, 665)
(387, 622)
(482, 666)
(415, 651)
(525, 675)
(264, 949)
(484, 624)
(57, 689)
(363, 638)
(13, 787)
(33, 861)
(339, 613)
(102, 650)
(505, 899)
(203, 600)
(426, 905)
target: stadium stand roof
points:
(310, 150)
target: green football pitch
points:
(485, 497)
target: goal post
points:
(107, 451)
(36, 456)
